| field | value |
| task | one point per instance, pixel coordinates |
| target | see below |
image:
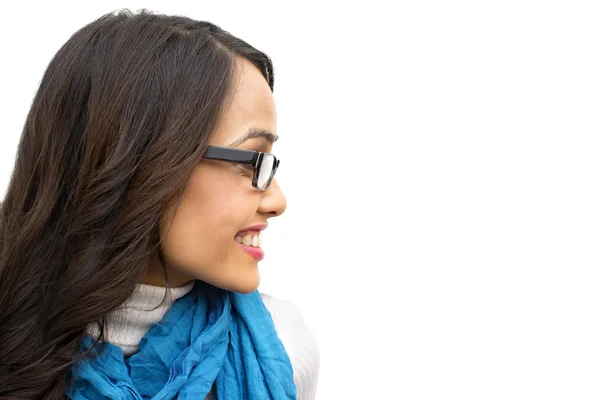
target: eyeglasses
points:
(264, 164)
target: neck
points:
(155, 276)
(147, 305)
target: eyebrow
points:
(256, 133)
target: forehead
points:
(252, 106)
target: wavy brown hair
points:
(122, 115)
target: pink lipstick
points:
(255, 252)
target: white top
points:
(129, 323)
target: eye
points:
(246, 169)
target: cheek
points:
(217, 202)
(214, 207)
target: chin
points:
(244, 286)
(246, 291)
(241, 277)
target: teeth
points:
(250, 240)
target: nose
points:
(273, 202)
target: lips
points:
(254, 233)
(249, 239)
(255, 252)
(247, 230)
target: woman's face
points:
(220, 202)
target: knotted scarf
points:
(208, 336)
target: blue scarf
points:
(208, 336)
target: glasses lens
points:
(265, 171)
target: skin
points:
(219, 201)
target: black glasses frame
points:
(242, 156)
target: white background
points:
(440, 162)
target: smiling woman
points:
(220, 202)
(129, 253)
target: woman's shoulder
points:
(299, 341)
(284, 312)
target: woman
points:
(131, 227)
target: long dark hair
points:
(121, 117)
